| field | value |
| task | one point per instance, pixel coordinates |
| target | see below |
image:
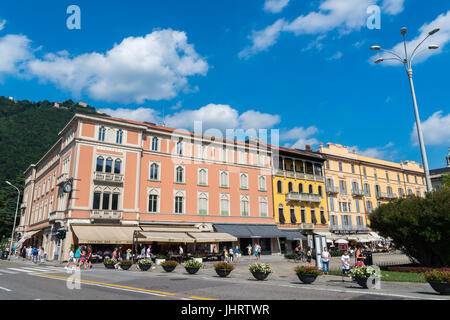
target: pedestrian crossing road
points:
(30, 270)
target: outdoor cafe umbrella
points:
(341, 241)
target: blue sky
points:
(303, 67)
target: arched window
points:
(154, 171)
(153, 201)
(100, 162)
(245, 206)
(262, 183)
(117, 165)
(244, 181)
(290, 188)
(313, 216)
(322, 216)
(224, 205)
(203, 204)
(310, 189)
(119, 135)
(180, 147)
(101, 133)
(320, 191)
(108, 167)
(281, 214)
(179, 174)
(300, 188)
(303, 214)
(292, 213)
(155, 144)
(179, 203)
(202, 177)
(224, 179)
(279, 186)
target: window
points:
(292, 215)
(101, 133)
(279, 186)
(106, 196)
(155, 144)
(117, 165)
(290, 188)
(180, 147)
(357, 205)
(353, 168)
(50, 208)
(375, 174)
(319, 188)
(119, 135)
(203, 203)
(398, 178)
(400, 192)
(48, 184)
(242, 157)
(281, 218)
(245, 206)
(154, 171)
(310, 189)
(343, 187)
(303, 214)
(369, 206)
(153, 203)
(300, 188)
(359, 220)
(223, 154)
(179, 176)
(244, 181)
(108, 167)
(263, 207)
(178, 204)
(262, 183)
(261, 160)
(387, 176)
(389, 191)
(96, 204)
(115, 201)
(333, 220)
(327, 164)
(415, 179)
(224, 205)
(318, 169)
(366, 189)
(340, 166)
(313, 216)
(224, 179)
(54, 180)
(323, 220)
(203, 177)
(331, 204)
(377, 190)
(364, 172)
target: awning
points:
(375, 235)
(172, 237)
(325, 233)
(291, 235)
(364, 239)
(211, 237)
(264, 231)
(352, 238)
(237, 230)
(104, 234)
(26, 236)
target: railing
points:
(308, 197)
(106, 215)
(361, 228)
(306, 226)
(56, 215)
(62, 179)
(383, 195)
(109, 177)
(332, 189)
(298, 175)
(358, 193)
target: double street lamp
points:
(407, 62)
(15, 217)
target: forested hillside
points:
(27, 131)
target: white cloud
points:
(441, 39)
(384, 152)
(436, 130)
(152, 67)
(14, 50)
(392, 6)
(275, 6)
(301, 136)
(254, 120)
(2, 24)
(336, 56)
(263, 39)
(140, 114)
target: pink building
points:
(106, 178)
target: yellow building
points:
(356, 185)
(299, 193)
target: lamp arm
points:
(412, 55)
(393, 53)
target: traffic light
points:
(61, 233)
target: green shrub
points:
(126, 262)
(160, 256)
(145, 262)
(260, 267)
(436, 275)
(169, 263)
(307, 270)
(110, 261)
(224, 266)
(193, 264)
(290, 256)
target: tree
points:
(418, 226)
(446, 179)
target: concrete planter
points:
(223, 272)
(441, 287)
(169, 268)
(260, 275)
(192, 270)
(306, 278)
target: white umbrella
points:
(341, 241)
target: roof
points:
(439, 171)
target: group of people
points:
(82, 258)
(256, 249)
(34, 254)
(231, 255)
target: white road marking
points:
(6, 289)
(21, 270)
(6, 271)
(35, 269)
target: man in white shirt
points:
(345, 258)
(325, 261)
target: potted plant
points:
(362, 274)
(126, 264)
(192, 266)
(160, 258)
(260, 270)
(307, 275)
(198, 257)
(439, 280)
(169, 265)
(223, 269)
(109, 263)
(144, 264)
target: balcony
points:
(308, 197)
(306, 226)
(55, 215)
(385, 196)
(109, 177)
(106, 215)
(361, 228)
(332, 190)
(343, 228)
(358, 193)
(62, 179)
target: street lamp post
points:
(15, 217)
(407, 62)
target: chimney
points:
(308, 147)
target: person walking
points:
(225, 254)
(41, 255)
(231, 254)
(359, 257)
(308, 256)
(71, 259)
(325, 261)
(35, 255)
(82, 258)
(255, 251)
(249, 251)
(143, 255)
(237, 254)
(116, 255)
(88, 258)
(345, 259)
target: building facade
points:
(299, 193)
(107, 177)
(436, 175)
(356, 185)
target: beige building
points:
(357, 184)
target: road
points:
(27, 281)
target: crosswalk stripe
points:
(21, 270)
(35, 269)
(9, 272)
